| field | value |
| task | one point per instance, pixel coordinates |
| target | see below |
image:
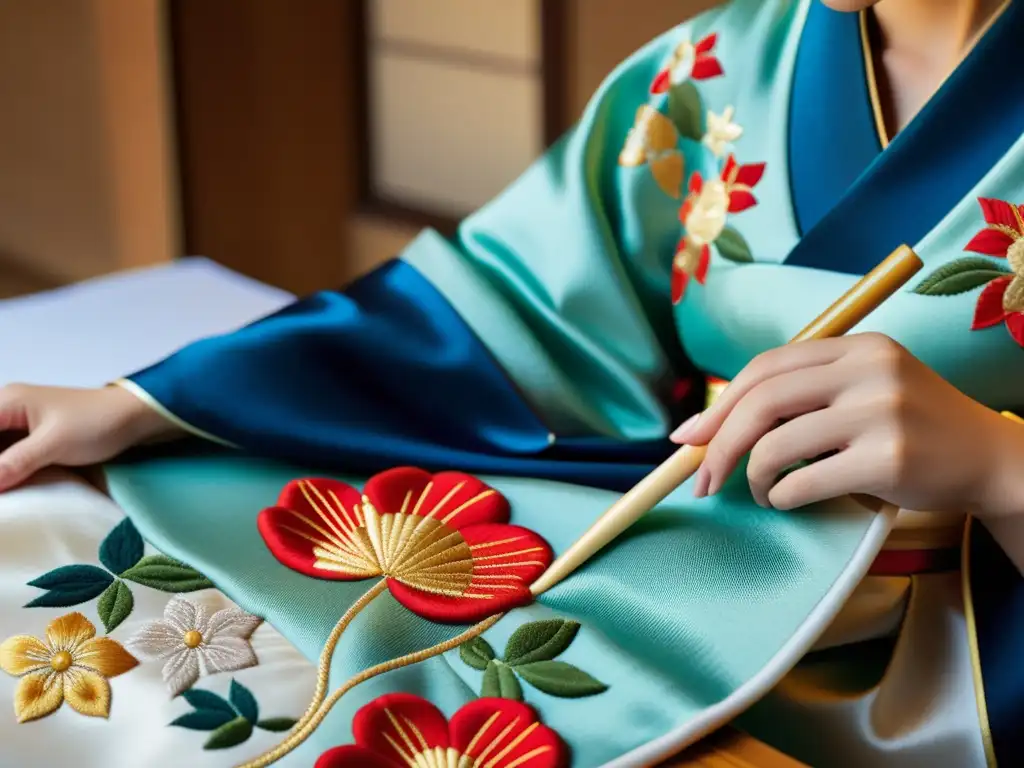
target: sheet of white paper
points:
(88, 334)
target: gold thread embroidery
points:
(972, 641)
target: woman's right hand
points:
(72, 427)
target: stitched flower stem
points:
(323, 673)
(305, 730)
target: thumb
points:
(23, 459)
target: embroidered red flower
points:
(401, 730)
(442, 542)
(689, 61)
(1002, 299)
(739, 182)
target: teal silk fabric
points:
(560, 292)
(692, 603)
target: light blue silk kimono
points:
(726, 183)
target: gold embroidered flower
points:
(721, 131)
(72, 665)
(654, 140)
(706, 210)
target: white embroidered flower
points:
(191, 642)
(706, 216)
(721, 131)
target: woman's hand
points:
(878, 421)
(73, 427)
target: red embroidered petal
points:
(355, 757)
(740, 200)
(696, 183)
(706, 67)
(508, 733)
(728, 169)
(1015, 325)
(750, 174)
(679, 280)
(316, 521)
(990, 242)
(685, 208)
(707, 43)
(506, 560)
(400, 721)
(999, 212)
(989, 309)
(454, 498)
(662, 82)
(701, 273)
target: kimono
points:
(384, 470)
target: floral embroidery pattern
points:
(654, 141)
(192, 642)
(530, 654)
(71, 665)
(401, 730)
(1001, 301)
(689, 61)
(442, 542)
(231, 722)
(121, 552)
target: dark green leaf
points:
(277, 724)
(476, 653)
(122, 548)
(491, 686)
(243, 701)
(540, 641)
(733, 247)
(686, 110)
(70, 585)
(115, 605)
(960, 276)
(204, 719)
(201, 699)
(230, 734)
(167, 575)
(557, 678)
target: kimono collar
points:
(846, 190)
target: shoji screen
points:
(456, 95)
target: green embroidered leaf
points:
(201, 699)
(277, 724)
(204, 719)
(733, 247)
(244, 702)
(70, 585)
(167, 575)
(122, 548)
(476, 653)
(560, 679)
(115, 605)
(230, 734)
(540, 641)
(686, 110)
(960, 276)
(500, 683)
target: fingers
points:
(758, 413)
(23, 459)
(776, 362)
(847, 472)
(13, 413)
(802, 439)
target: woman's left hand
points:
(885, 424)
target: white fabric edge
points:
(744, 697)
(151, 402)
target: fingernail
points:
(700, 483)
(683, 430)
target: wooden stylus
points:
(852, 307)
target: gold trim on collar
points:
(972, 641)
(872, 81)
